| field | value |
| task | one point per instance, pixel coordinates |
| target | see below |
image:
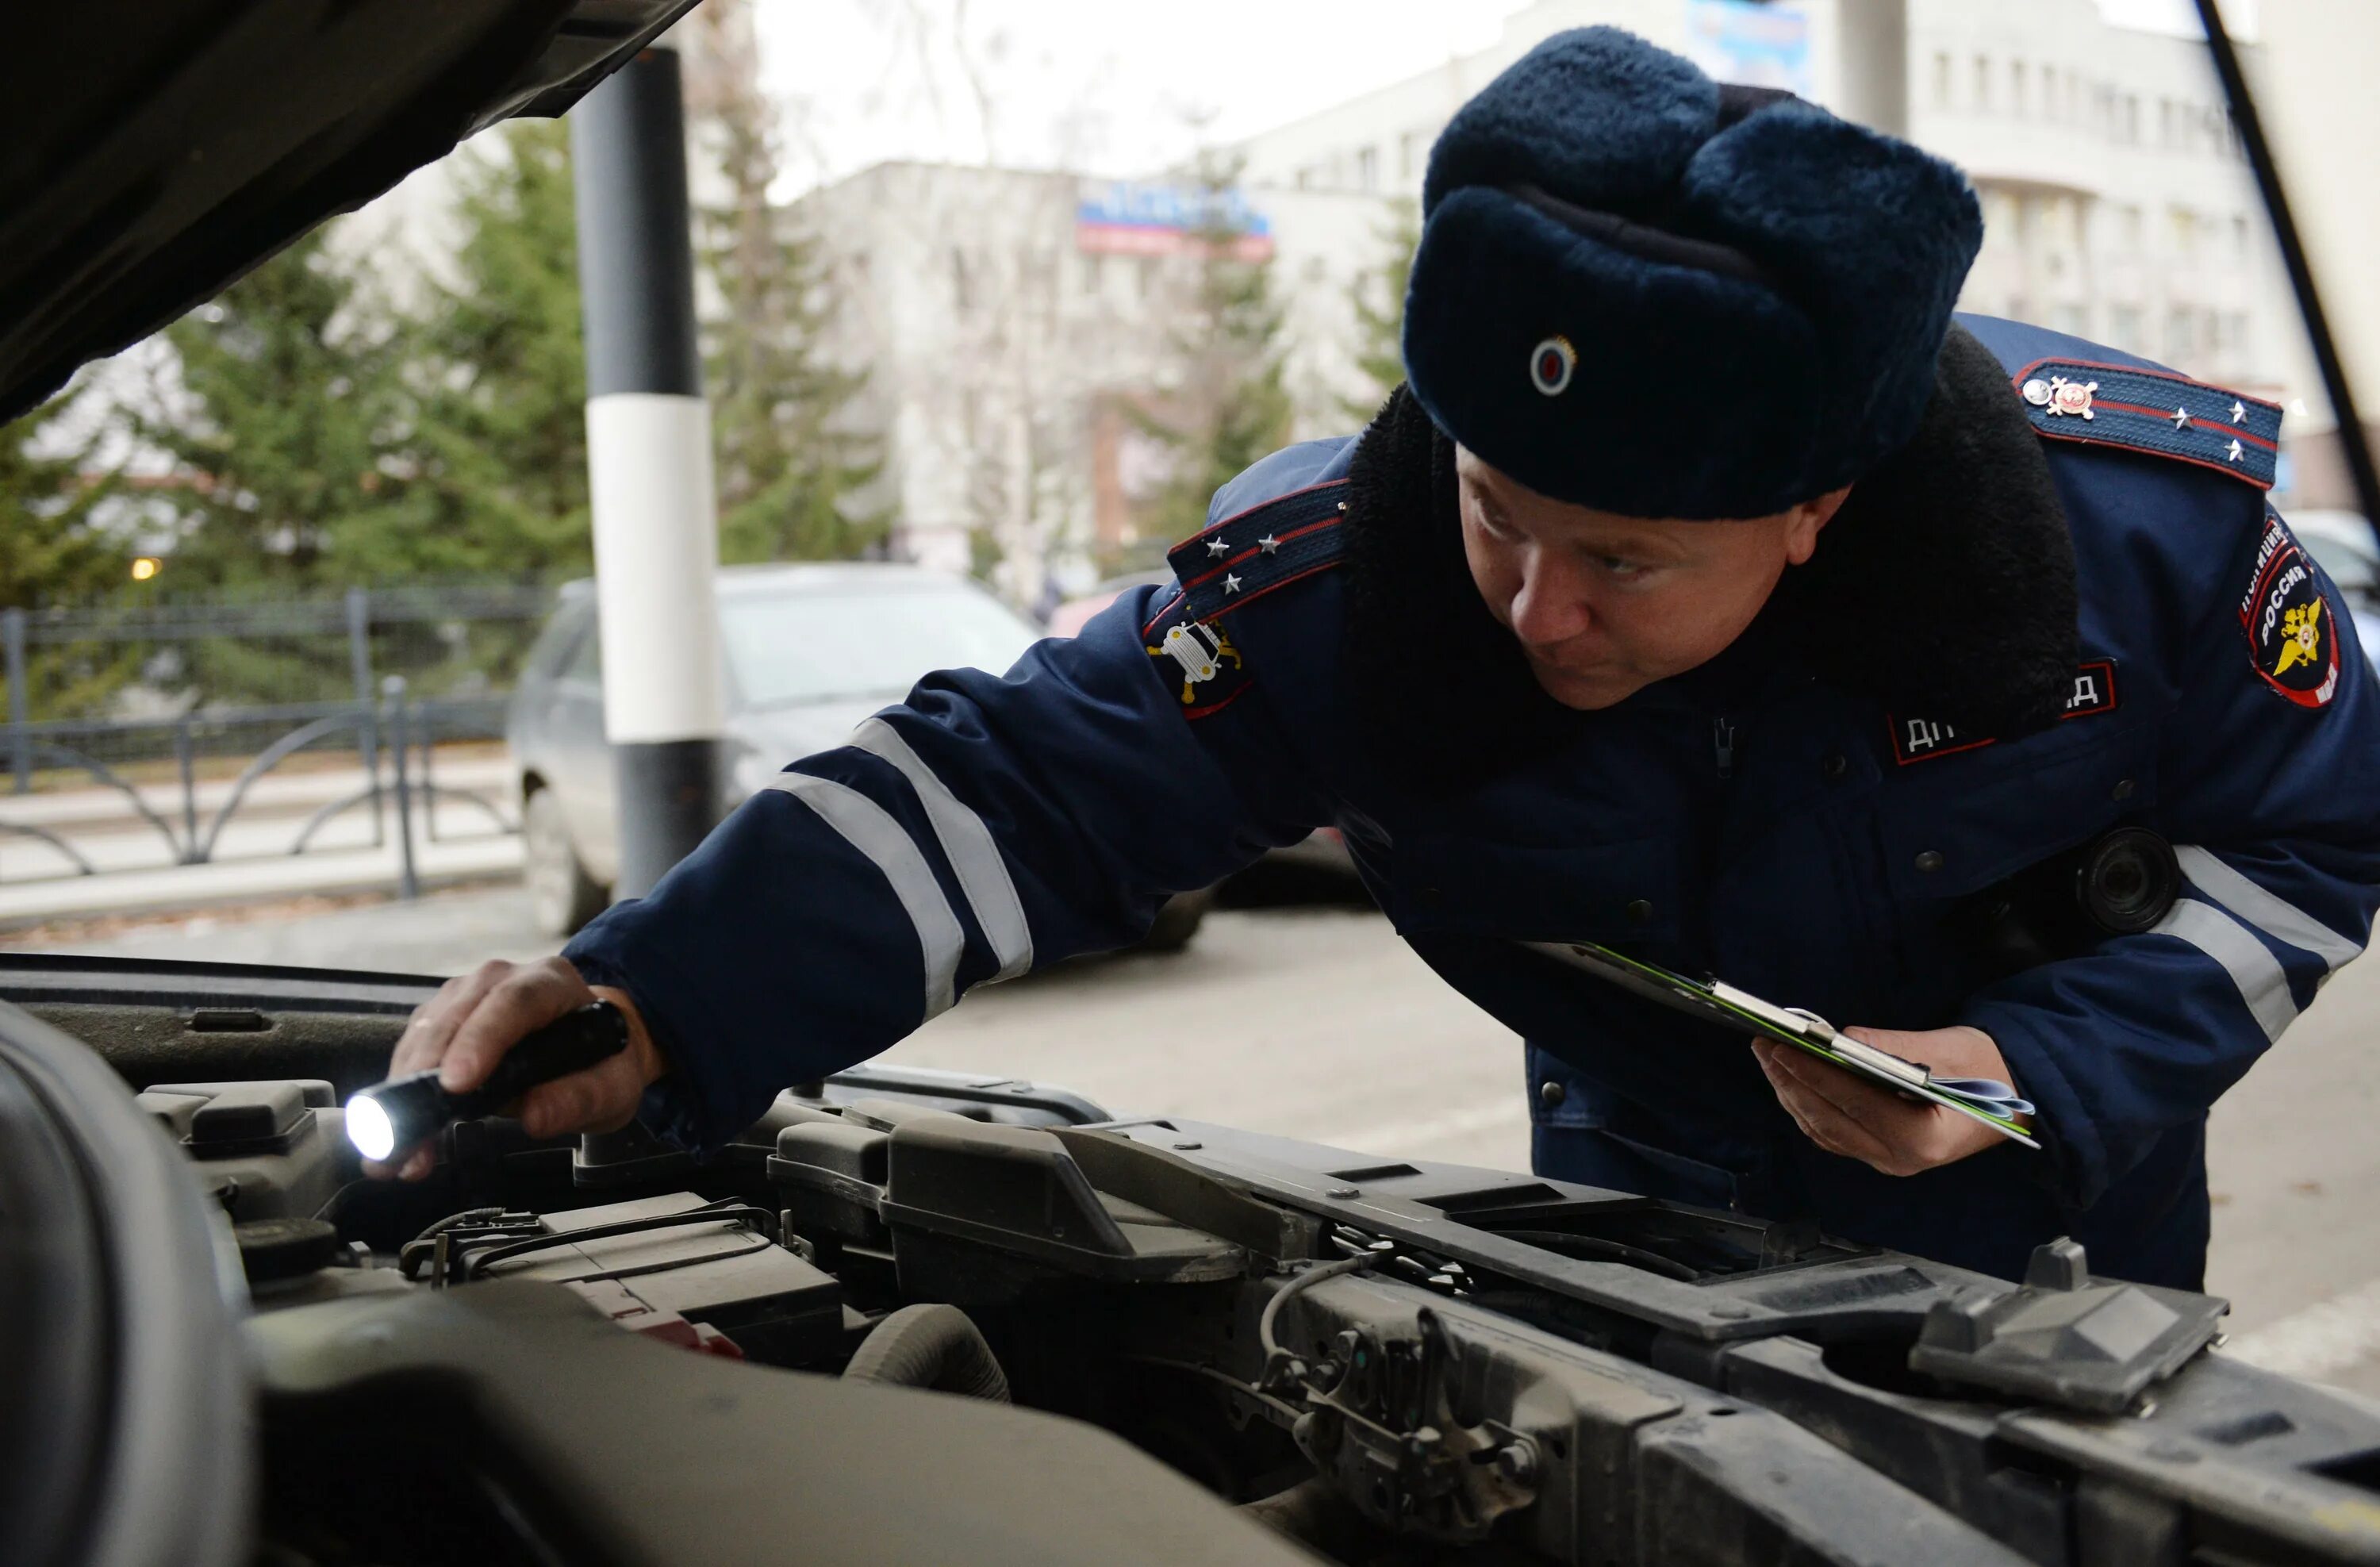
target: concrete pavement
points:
(1320, 1024)
(137, 869)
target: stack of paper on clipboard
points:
(1993, 1103)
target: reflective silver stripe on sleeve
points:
(868, 828)
(983, 874)
(2275, 917)
(2250, 963)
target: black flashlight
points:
(388, 1118)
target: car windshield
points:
(2348, 559)
(785, 649)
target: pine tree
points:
(286, 403)
(1234, 405)
(52, 547)
(1378, 297)
(788, 466)
(496, 450)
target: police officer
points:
(1709, 592)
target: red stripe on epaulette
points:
(1272, 588)
(2155, 374)
(1253, 553)
(2105, 445)
(2165, 416)
(1251, 511)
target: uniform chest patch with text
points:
(2292, 633)
(1197, 661)
(1920, 739)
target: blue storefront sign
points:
(1135, 218)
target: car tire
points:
(561, 896)
(1178, 921)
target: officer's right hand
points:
(466, 1027)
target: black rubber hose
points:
(930, 1346)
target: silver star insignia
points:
(2239, 411)
(2234, 453)
(1217, 547)
(1269, 544)
(2181, 418)
(1231, 583)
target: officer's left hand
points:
(1861, 1119)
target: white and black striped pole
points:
(648, 466)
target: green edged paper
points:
(1718, 1003)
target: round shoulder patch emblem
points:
(2292, 631)
(1551, 363)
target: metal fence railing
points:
(389, 675)
(396, 738)
(236, 665)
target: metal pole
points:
(186, 754)
(2351, 443)
(367, 728)
(428, 714)
(408, 884)
(20, 709)
(1871, 43)
(649, 467)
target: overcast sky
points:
(1119, 86)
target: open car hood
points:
(154, 151)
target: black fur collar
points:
(1952, 555)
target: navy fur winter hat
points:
(1644, 292)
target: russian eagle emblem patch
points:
(2292, 631)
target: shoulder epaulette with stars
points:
(2155, 411)
(1261, 550)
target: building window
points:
(2237, 335)
(2073, 320)
(1983, 83)
(1304, 179)
(960, 294)
(1408, 154)
(2184, 225)
(2130, 127)
(2164, 122)
(2180, 332)
(1147, 282)
(2133, 230)
(1368, 168)
(1093, 275)
(2239, 238)
(2016, 87)
(2124, 327)
(2003, 216)
(1942, 80)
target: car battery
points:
(654, 1267)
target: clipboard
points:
(1979, 1099)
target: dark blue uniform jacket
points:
(2035, 626)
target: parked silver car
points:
(810, 651)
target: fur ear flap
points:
(1945, 585)
(1468, 709)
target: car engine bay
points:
(907, 1309)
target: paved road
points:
(1320, 1024)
